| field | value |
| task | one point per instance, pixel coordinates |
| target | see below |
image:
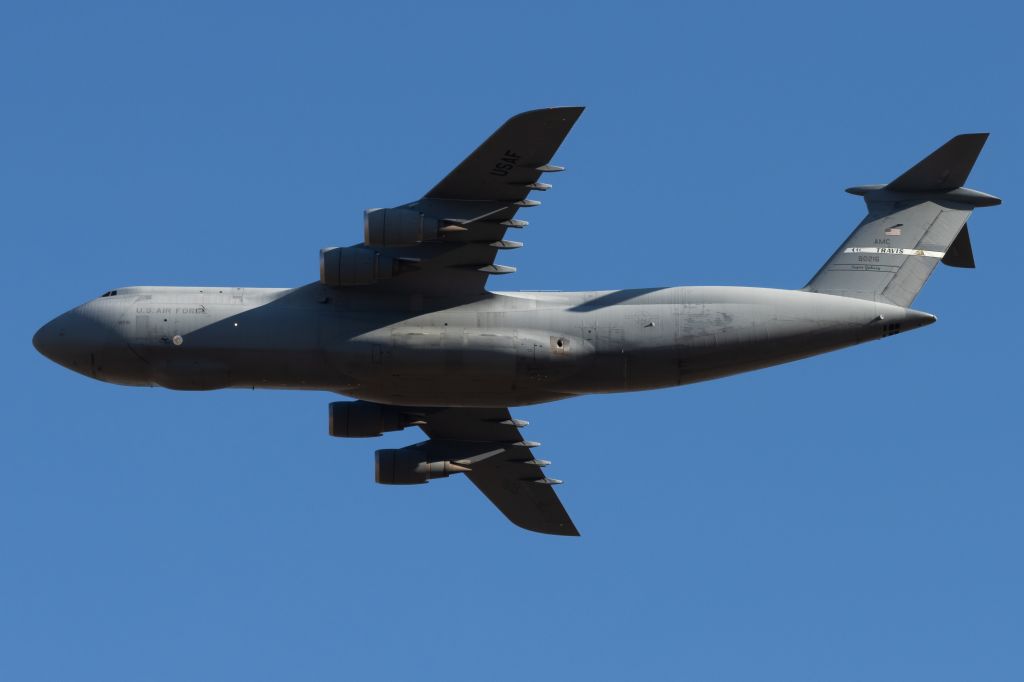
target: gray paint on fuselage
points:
(498, 349)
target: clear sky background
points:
(854, 516)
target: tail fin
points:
(913, 222)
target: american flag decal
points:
(893, 231)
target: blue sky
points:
(853, 516)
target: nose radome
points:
(47, 338)
(73, 339)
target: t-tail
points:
(915, 221)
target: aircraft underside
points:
(503, 350)
(404, 323)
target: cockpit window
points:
(109, 293)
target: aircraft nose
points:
(71, 340)
(47, 339)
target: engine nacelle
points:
(360, 419)
(408, 466)
(398, 227)
(353, 265)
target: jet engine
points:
(399, 227)
(408, 466)
(352, 265)
(360, 419)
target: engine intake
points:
(409, 466)
(360, 419)
(399, 227)
(354, 265)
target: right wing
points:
(461, 222)
(487, 441)
(511, 161)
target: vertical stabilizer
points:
(915, 221)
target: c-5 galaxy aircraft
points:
(403, 324)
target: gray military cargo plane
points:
(403, 324)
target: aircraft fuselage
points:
(402, 321)
(497, 349)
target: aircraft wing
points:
(475, 204)
(507, 165)
(501, 464)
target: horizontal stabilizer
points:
(960, 254)
(944, 169)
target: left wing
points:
(445, 243)
(487, 442)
